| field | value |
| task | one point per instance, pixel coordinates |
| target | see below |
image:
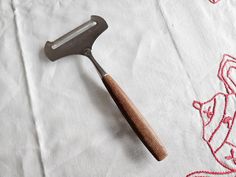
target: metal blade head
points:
(77, 40)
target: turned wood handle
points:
(136, 120)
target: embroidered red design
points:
(214, 1)
(231, 156)
(218, 115)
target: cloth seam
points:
(158, 6)
(27, 86)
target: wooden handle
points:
(136, 120)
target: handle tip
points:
(160, 152)
(162, 156)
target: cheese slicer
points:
(79, 41)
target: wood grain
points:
(135, 119)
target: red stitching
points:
(208, 112)
(227, 121)
(226, 103)
(230, 144)
(209, 173)
(228, 74)
(231, 156)
(230, 128)
(214, 110)
(225, 78)
(221, 124)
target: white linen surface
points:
(57, 119)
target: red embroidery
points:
(214, 1)
(208, 112)
(218, 115)
(231, 156)
(227, 120)
(227, 64)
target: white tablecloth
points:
(57, 119)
